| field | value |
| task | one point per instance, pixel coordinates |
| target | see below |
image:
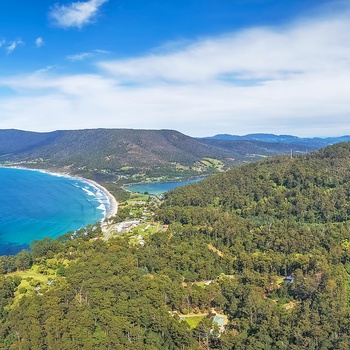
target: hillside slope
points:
(110, 153)
(268, 220)
(254, 149)
(311, 187)
(105, 150)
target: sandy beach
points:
(112, 205)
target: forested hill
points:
(268, 220)
(109, 153)
(111, 147)
(104, 150)
(254, 149)
(313, 188)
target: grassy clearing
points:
(146, 229)
(30, 279)
(182, 167)
(211, 162)
(205, 162)
(125, 168)
(34, 274)
(199, 284)
(137, 198)
(193, 321)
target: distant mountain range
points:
(257, 145)
(316, 141)
(110, 153)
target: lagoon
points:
(35, 204)
(158, 187)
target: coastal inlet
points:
(158, 187)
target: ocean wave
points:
(101, 196)
(88, 192)
(102, 207)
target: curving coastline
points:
(47, 204)
(112, 204)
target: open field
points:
(193, 321)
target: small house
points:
(289, 279)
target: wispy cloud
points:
(291, 79)
(84, 55)
(98, 51)
(259, 53)
(11, 47)
(39, 42)
(77, 14)
(2, 42)
(45, 70)
(80, 56)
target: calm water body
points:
(34, 205)
(158, 187)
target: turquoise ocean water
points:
(34, 205)
(158, 187)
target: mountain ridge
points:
(266, 137)
(105, 150)
(111, 153)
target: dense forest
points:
(226, 247)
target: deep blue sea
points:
(34, 205)
(158, 187)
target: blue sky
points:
(198, 66)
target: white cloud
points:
(80, 56)
(2, 42)
(290, 80)
(84, 55)
(98, 51)
(39, 42)
(77, 14)
(260, 53)
(10, 48)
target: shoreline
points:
(112, 202)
